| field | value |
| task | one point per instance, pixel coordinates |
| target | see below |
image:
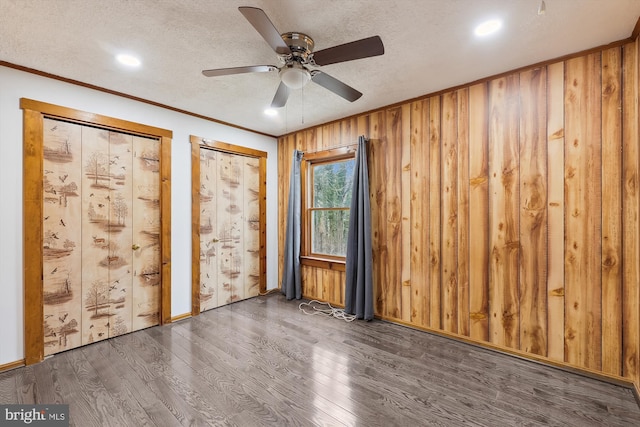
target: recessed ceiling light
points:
(271, 112)
(128, 60)
(488, 27)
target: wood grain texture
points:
(226, 147)
(631, 212)
(533, 212)
(546, 192)
(71, 114)
(464, 214)
(244, 364)
(392, 278)
(434, 206)
(284, 172)
(479, 213)
(419, 214)
(405, 213)
(583, 327)
(12, 365)
(32, 196)
(349, 131)
(195, 226)
(504, 200)
(321, 284)
(611, 211)
(378, 190)
(449, 216)
(556, 208)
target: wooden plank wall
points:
(506, 212)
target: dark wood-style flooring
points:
(263, 362)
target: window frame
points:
(307, 257)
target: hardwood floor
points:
(263, 362)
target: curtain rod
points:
(335, 147)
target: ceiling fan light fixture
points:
(295, 76)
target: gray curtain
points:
(290, 285)
(359, 270)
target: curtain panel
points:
(291, 285)
(359, 268)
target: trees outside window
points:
(329, 184)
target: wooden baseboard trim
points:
(12, 365)
(609, 378)
(636, 385)
(180, 317)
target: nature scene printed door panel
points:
(62, 214)
(229, 228)
(96, 246)
(251, 226)
(225, 230)
(109, 203)
(146, 232)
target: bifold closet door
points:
(208, 243)
(101, 221)
(146, 233)
(251, 226)
(62, 236)
(229, 228)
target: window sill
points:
(329, 264)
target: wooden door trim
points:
(83, 117)
(34, 113)
(195, 227)
(197, 143)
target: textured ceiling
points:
(429, 46)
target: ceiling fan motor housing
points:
(294, 74)
(301, 46)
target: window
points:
(328, 186)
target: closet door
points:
(146, 233)
(229, 228)
(251, 226)
(99, 252)
(62, 236)
(118, 259)
(208, 242)
(101, 234)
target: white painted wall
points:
(17, 84)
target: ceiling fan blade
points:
(282, 94)
(265, 27)
(239, 70)
(335, 86)
(358, 49)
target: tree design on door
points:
(101, 220)
(229, 228)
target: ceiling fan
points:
(299, 61)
